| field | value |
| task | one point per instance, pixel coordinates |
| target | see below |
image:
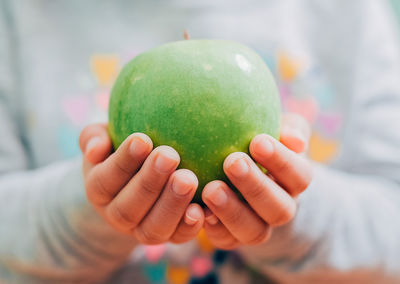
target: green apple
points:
(204, 98)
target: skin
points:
(271, 198)
(133, 188)
(139, 191)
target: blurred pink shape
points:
(284, 92)
(129, 55)
(76, 108)
(330, 122)
(102, 99)
(154, 253)
(308, 108)
(200, 266)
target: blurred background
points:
(396, 8)
(304, 89)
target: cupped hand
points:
(271, 197)
(137, 190)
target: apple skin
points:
(204, 98)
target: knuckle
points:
(260, 237)
(97, 192)
(257, 192)
(174, 208)
(150, 186)
(119, 215)
(234, 217)
(284, 215)
(303, 184)
(282, 165)
(182, 235)
(149, 237)
(122, 167)
(217, 232)
(307, 178)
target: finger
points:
(95, 143)
(218, 234)
(268, 199)
(244, 224)
(290, 170)
(295, 132)
(106, 179)
(190, 225)
(160, 223)
(133, 202)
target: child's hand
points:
(139, 191)
(271, 197)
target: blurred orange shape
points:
(204, 243)
(322, 149)
(178, 275)
(287, 68)
(105, 68)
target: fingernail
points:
(93, 142)
(191, 218)
(264, 146)
(296, 133)
(295, 140)
(212, 219)
(217, 196)
(239, 167)
(165, 162)
(138, 146)
(180, 187)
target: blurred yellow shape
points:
(178, 275)
(105, 67)
(204, 242)
(322, 149)
(287, 68)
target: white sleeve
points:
(49, 233)
(347, 227)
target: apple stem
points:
(185, 34)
